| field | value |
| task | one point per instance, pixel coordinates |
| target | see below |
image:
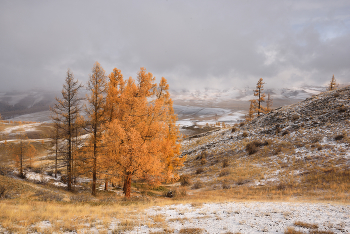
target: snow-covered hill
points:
(15, 103)
(298, 146)
(217, 95)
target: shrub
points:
(197, 185)
(64, 178)
(234, 129)
(4, 170)
(179, 192)
(241, 181)
(224, 172)
(225, 163)
(191, 231)
(245, 134)
(199, 170)
(2, 191)
(286, 132)
(37, 169)
(339, 137)
(185, 180)
(80, 198)
(241, 124)
(316, 138)
(278, 128)
(203, 161)
(295, 117)
(252, 147)
(50, 197)
(225, 185)
(305, 225)
(291, 230)
(342, 108)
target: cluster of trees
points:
(256, 107)
(126, 130)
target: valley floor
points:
(226, 217)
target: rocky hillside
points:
(301, 146)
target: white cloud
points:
(194, 44)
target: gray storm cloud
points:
(194, 44)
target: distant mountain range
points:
(17, 103)
(34, 105)
(244, 94)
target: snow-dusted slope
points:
(243, 94)
(314, 132)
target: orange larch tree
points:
(115, 88)
(142, 138)
(251, 111)
(332, 84)
(261, 96)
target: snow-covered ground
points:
(253, 217)
(41, 116)
(235, 217)
(23, 127)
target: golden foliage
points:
(261, 96)
(141, 138)
(332, 84)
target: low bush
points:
(176, 193)
(225, 185)
(241, 181)
(4, 170)
(305, 225)
(199, 170)
(253, 147)
(224, 172)
(339, 137)
(225, 163)
(2, 191)
(278, 128)
(316, 138)
(185, 180)
(291, 230)
(245, 134)
(37, 169)
(342, 109)
(191, 231)
(295, 117)
(197, 185)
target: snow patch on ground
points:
(253, 217)
(24, 127)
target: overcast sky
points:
(193, 44)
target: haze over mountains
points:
(213, 104)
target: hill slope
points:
(298, 149)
